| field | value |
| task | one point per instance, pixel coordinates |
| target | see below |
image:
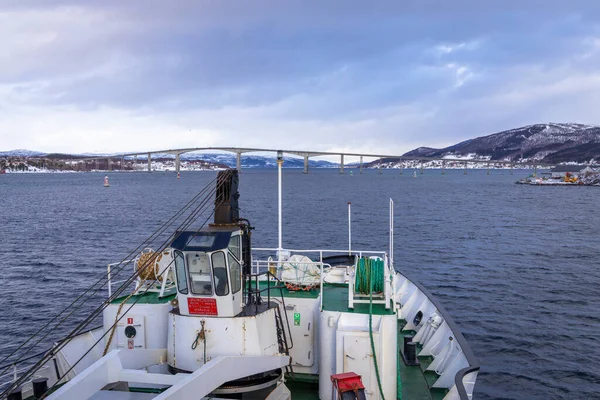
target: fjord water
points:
(516, 266)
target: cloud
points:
(116, 76)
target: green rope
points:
(371, 331)
(398, 375)
(369, 276)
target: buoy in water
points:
(106, 181)
(414, 174)
(178, 175)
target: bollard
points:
(40, 387)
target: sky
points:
(361, 76)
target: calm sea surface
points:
(516, 266)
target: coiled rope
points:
(369, 276)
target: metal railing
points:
(109, 277)
(13, 374)
(268, 263)
(360, 253)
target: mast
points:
(279, 207)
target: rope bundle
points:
(148, 265)
(369, 276)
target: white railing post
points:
(387, 288)
(279, 205)
(391, 251)
(321, 294)
(349, 228)
(109, 282)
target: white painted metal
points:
(327, 362)
(279, 209)
(239, 336)
(391, 247)
(434, 334)
(305, 352)
(220, 370)
(107, 370)
(469, 384)
(149, 320)
(227, 305)
(109, 273)
(352, 336)
(349, 228)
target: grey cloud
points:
(335, 61)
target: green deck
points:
(415, 381)
(147, 298)
(335, 298)
(298, 294)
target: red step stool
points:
(347, 386)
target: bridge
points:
(306, 154)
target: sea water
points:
(516, 266)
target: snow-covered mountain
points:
(21, 153)
(551, 143)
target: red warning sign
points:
(129, 321)
(202, 306)
(130, 344)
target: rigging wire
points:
(82, 325)
(199, 209)
(116, 322)
(115, 272)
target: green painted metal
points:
(302, 378)
(303, 390)
(335, 298)
(299, 294)
(416, 382)
(147, 298)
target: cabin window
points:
(201, 240)
(235, 270)
(200, 273)
(220, 273)
(234, 247)
(182, 285)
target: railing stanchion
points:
(321, 286)
(109, 282)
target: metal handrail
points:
(24, 359)
(109, 279)
(320, 251)
(42, 353)
(322, 265)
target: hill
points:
(544, 143)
